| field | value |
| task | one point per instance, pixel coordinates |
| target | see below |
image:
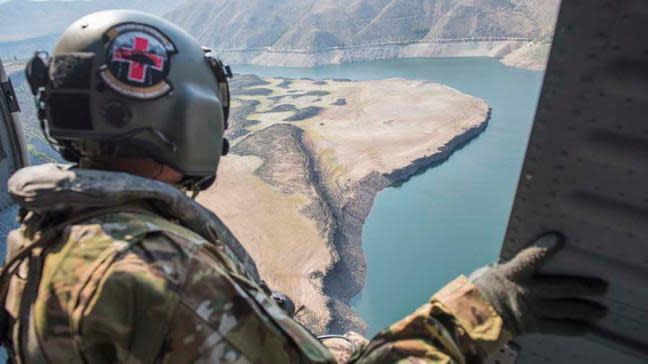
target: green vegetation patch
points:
(310, 93)
(283, 108)
(317, 93)
(239, 82)
(284, 84)
(255, 92)
(248, 123)
(305, 113)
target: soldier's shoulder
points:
(136, 225)
(123, 249)
(139, 244)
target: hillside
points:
(311, 32)
(314, 32)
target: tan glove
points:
(529, 302)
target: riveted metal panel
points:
(586, 174)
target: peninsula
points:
(307, 160)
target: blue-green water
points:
(450, 219)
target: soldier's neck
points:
(143, 167)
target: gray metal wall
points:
(586, 174)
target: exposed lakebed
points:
(450, 219)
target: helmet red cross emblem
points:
(138, 59)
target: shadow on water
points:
(400, 183)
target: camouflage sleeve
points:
(223, 317)
(457, 326)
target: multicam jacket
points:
(95, 275)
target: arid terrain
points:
(306, 33)
(307, 160)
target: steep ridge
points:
(274, 205)
(310, 32)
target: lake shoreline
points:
(347, 277)
(523, 54)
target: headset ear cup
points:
(225, 95)
(37, 73)
(226, 147)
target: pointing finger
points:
(529, 260)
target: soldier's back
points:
(131, 286)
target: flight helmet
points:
(124, 83)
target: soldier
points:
(113, 263)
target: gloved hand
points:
(528, 302)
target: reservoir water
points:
(450, 219)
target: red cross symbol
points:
(139, 60)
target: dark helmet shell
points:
(130, 84)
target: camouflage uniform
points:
(130, 282)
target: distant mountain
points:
(23, 19)
(254, 30)
(26, 48)
(311, 32)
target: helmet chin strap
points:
(195, 186)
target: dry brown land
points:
(532, 56)
(308, 158)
